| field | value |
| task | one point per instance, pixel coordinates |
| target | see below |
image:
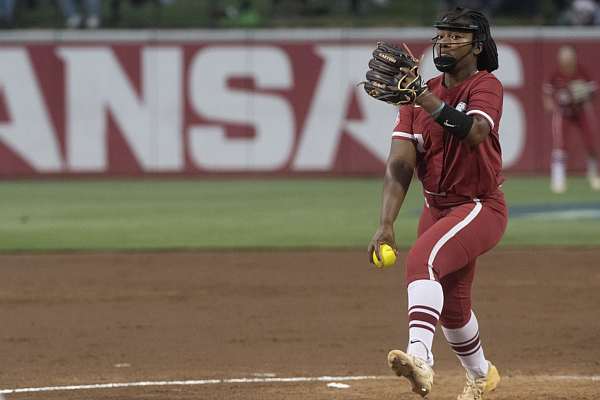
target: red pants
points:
(563, 120)
(449, 242)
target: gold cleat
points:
(476, 388)
(418, 373)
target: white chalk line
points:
(196, 382)
(557, 378)
(268, 380)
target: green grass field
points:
(295, 213)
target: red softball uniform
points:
(465, 213)
(447, 167)
(569, 113)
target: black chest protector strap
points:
(456, 123)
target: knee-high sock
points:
(425, 303)
(467, 346)
(558, 169)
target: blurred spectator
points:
(567, 93)
(584, 12)
(7, 8)
(74, 14)
(581, 13)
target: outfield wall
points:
(211, 103)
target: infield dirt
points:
(97, 318)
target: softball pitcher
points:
(446, 130)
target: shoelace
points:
(471, 389)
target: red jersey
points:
(452, 171)
(563, 88)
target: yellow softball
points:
(387, 256)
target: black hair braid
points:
(488, 58)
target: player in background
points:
(450, 136)
(567, 93)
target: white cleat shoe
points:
(476, 388)
(558, 187)
(418, 373)
(594, 182)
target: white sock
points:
(592, 167)
(558, 169)
(467, 346)
(425, 303)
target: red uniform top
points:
(451, 171)
(562, 88)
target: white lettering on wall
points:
(149, 116)
(270, 115)
(343, 68)
(29, 132)
(151, 122)
(512, 125)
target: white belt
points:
(435, 194)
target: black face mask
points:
(447, 63)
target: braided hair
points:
(488, 58)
